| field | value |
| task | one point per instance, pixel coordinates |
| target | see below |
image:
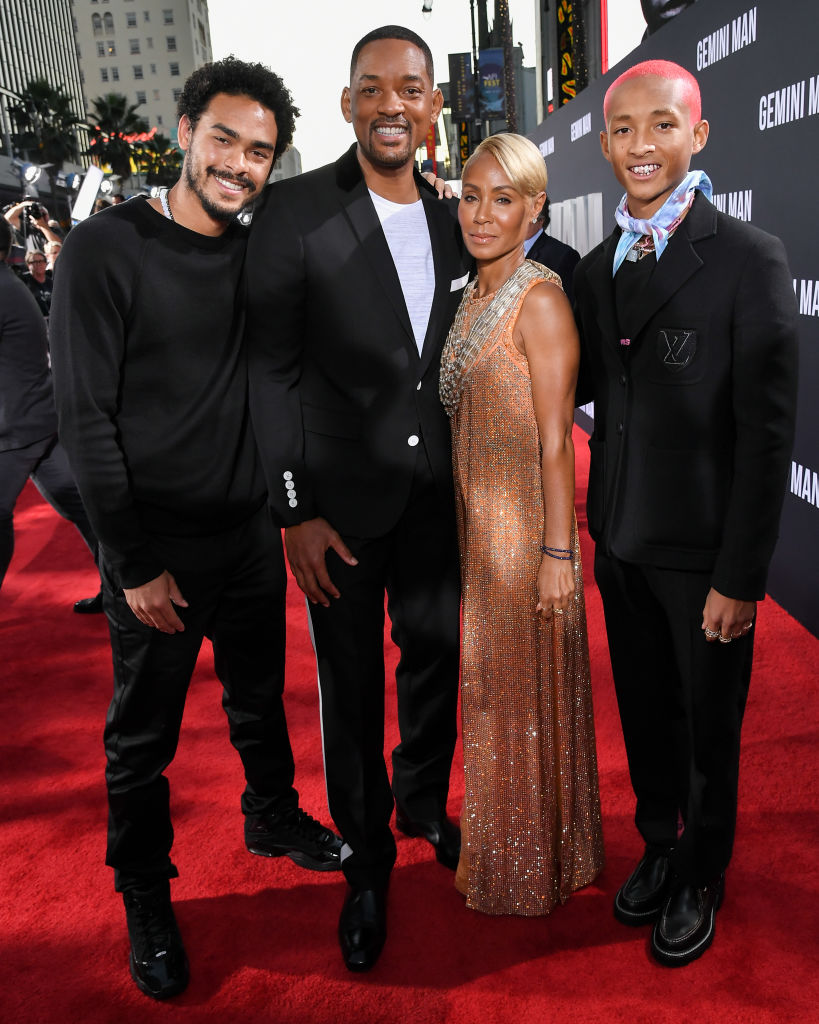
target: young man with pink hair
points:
(688, 326)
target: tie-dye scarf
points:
(659, 226)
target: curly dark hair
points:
(5, 238)
(238, 78)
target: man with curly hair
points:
(151, 387)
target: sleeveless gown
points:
(531, 817)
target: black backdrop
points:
(758, 69)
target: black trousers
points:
(416, 563)
(234, 584)
(46, 463)
(681, 703)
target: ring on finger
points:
(712, 634)
(724, 639)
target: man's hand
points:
(307, 545)
(153, 603)
(725, 618)
(444, 191)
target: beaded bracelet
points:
(563, 554)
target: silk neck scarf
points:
(660, 225)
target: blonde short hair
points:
(520, 160)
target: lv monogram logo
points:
(676, 348)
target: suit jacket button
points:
(287, 475)
(418, 388)
(412, 440)
(292, 503)
(619, 428)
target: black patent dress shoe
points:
(158, 962)
(643, 895)
(441, 833)
(296, 835)
(89, 605)
(362, 927)
(685, 928)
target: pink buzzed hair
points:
(663, 69)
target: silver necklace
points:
(166, 203)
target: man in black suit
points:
(688, 326)
(551, 252)
(28, 420)
(354, 274)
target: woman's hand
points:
(555, 586)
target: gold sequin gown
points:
(531, 817)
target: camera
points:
(33, 212)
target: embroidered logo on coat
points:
(676, 348)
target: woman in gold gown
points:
(531, 818)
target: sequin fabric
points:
(531, 817)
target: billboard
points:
(491, 94)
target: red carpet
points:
(261, 935)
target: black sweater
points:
(151, 382)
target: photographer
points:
(29, 220)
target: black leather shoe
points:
(362, 927)
(296, 835)
(444, 836)
(685, 928)
(645, 892)
(158, 962)
(89, 605)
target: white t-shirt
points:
(407, 233)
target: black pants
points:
(235, 587)
(416, 563)
(46, 463)
(681, 704)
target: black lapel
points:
(360, 211)
(678, 262)
(446, 259)
(601, 283)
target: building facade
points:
(143, 49)
(36, 41)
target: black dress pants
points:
(416, 563)
(234, 584)
(46, 462)
(681, 703)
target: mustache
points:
(240, 179)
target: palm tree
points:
(114, 119)
(46, 126)
(159, 161)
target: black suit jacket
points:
(557, 256)
(694, 420)
(27, 412)
(339, 394)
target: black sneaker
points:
(158, 962)
(296, 835)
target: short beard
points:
(391, 159)
(212, 209)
